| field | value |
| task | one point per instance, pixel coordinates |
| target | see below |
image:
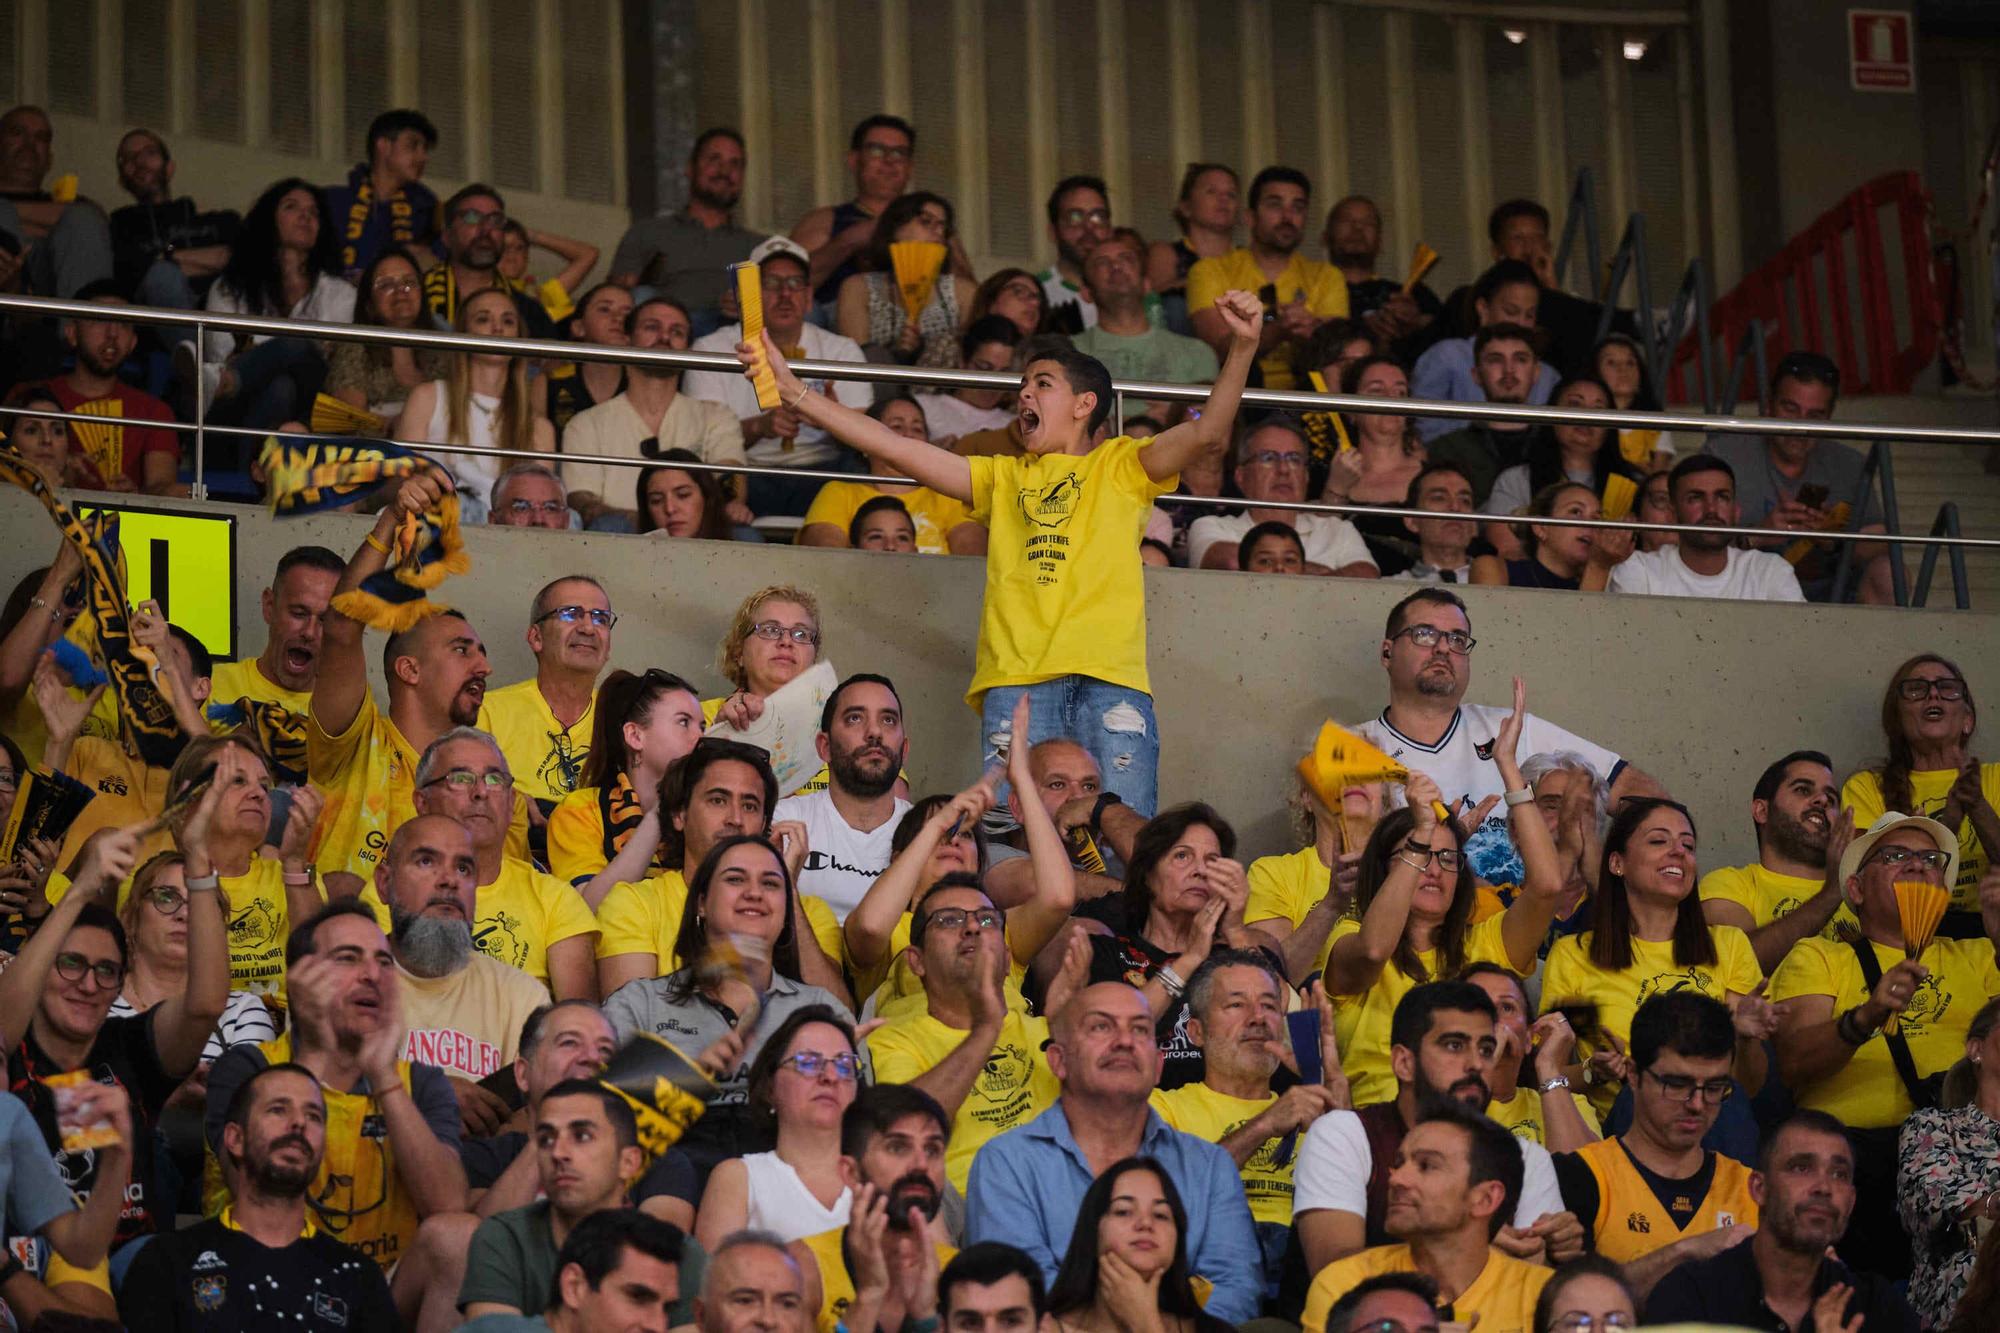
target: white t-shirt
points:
(1750, 576)
(1334, 1164)
(947, 414)
(730, 388)
(840, 862)
(1329, 539)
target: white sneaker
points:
(186, 363)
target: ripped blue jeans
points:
(1114, 723)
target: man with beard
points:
(1653, 1198)
(524, 918)
(1786, 1277)
(881, 1269)
(650, 417)
(685, 256)
(1125, 338)
(263, 1255)
(849, 825)
(1353, 240)
(113, 457)
(1027, 1184)
(1442, 1045)
(1236, 1018)
(271, 692)
(1702, 564)
(1456, 1180)
(543, 725)
(1788, 894)
(1271, 464)
(1427, 654)
(1504, 369)
(463, 1010)
(1862, 1024)
(364, 762)
(586, 1150)
(1507, 293)
(1299, 294)
(470, 225)
(1079, 221)
(164, 250)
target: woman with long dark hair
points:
(1928, 719)
(1015, 295)
(378, 377)
(1553, 555)
(1647, 934)
(870, 306)
(1587, 455)
(1126, 1269)
(285, 265)
(1621, 363)
(682, 502)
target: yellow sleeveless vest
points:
(1630, 1220)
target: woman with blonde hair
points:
(483, 401)
(155, 918)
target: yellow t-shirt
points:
(897, 990)
(1361, 1022)
(1569, 978)
(1630, 1222)
(1064, 592)
(836, 1284)
(935, 515)
(1322, 285)
(1522, 1114)
(1286, 886)
(1197, 1109)
(129, 791)
(469, 1023)
(1502, 1298)
(1866, 1092)
(1767, 895)
(517, 917)
(241, 695)
(546, 756)
(368, 776)
(646, 918)
(576, 837)
(260, 921)
(1862, 794)
(1013, 1087)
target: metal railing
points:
(1144, 390)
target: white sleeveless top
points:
(473, 475)
(781, 1203)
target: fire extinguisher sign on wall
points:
(1881, 54)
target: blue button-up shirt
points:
(1028, 1184)
(1445, 372)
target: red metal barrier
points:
(1804, 296)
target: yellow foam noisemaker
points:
(1836, 519)
(1619, 493)
(1340, 759)
(1331, 419)
(330, 416)
(918, 265)
(666, 1089)
(1421, 263)
(750, 299)
(1921, 907)
(63, 189)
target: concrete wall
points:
(1701, 694)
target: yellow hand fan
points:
(750, 298)
(1340, 759)
(1339, 427)
(1420, 263)
(918, 265)
(103, 445)
(1619, 493)
(1836, 519)
(1921, 906)
(330, 416)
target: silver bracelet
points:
(1170, 981)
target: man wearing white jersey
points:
(1427, 653)
(849, 825)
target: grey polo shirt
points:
(683, 259)
(692, 1026)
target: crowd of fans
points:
(381, 249)
(347, 984)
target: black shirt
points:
(123, 1054)
(1727, 1289)
(216, 1279)
(142, 233)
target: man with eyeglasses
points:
(522, 917)
(981, 1058)
(779, 437)
(471, 223)
(1785, 1277)
(1426, 652)
(1862, 1025)
(1271, 462)
(1652, 1197)
(544, 724)
(651, 416)
(383, 202)
(1079, 211)
(881, 157)
(1808, 483)
(1299, 294)
(363, 760)
(1126, 338)
(529, 495)
(850, 825)
(1793, 889)
(54, 1005)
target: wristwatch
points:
(1105, 800)
(1521, 797)
(1557, 1084)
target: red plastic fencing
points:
(1834, 289)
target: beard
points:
(281, 1182)
(1429, 1094)
(916, 1190)
(1797, 840)
(430, 946)
(1441, 685)
(864, 777)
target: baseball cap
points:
(781, 247)
(1857, 851)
